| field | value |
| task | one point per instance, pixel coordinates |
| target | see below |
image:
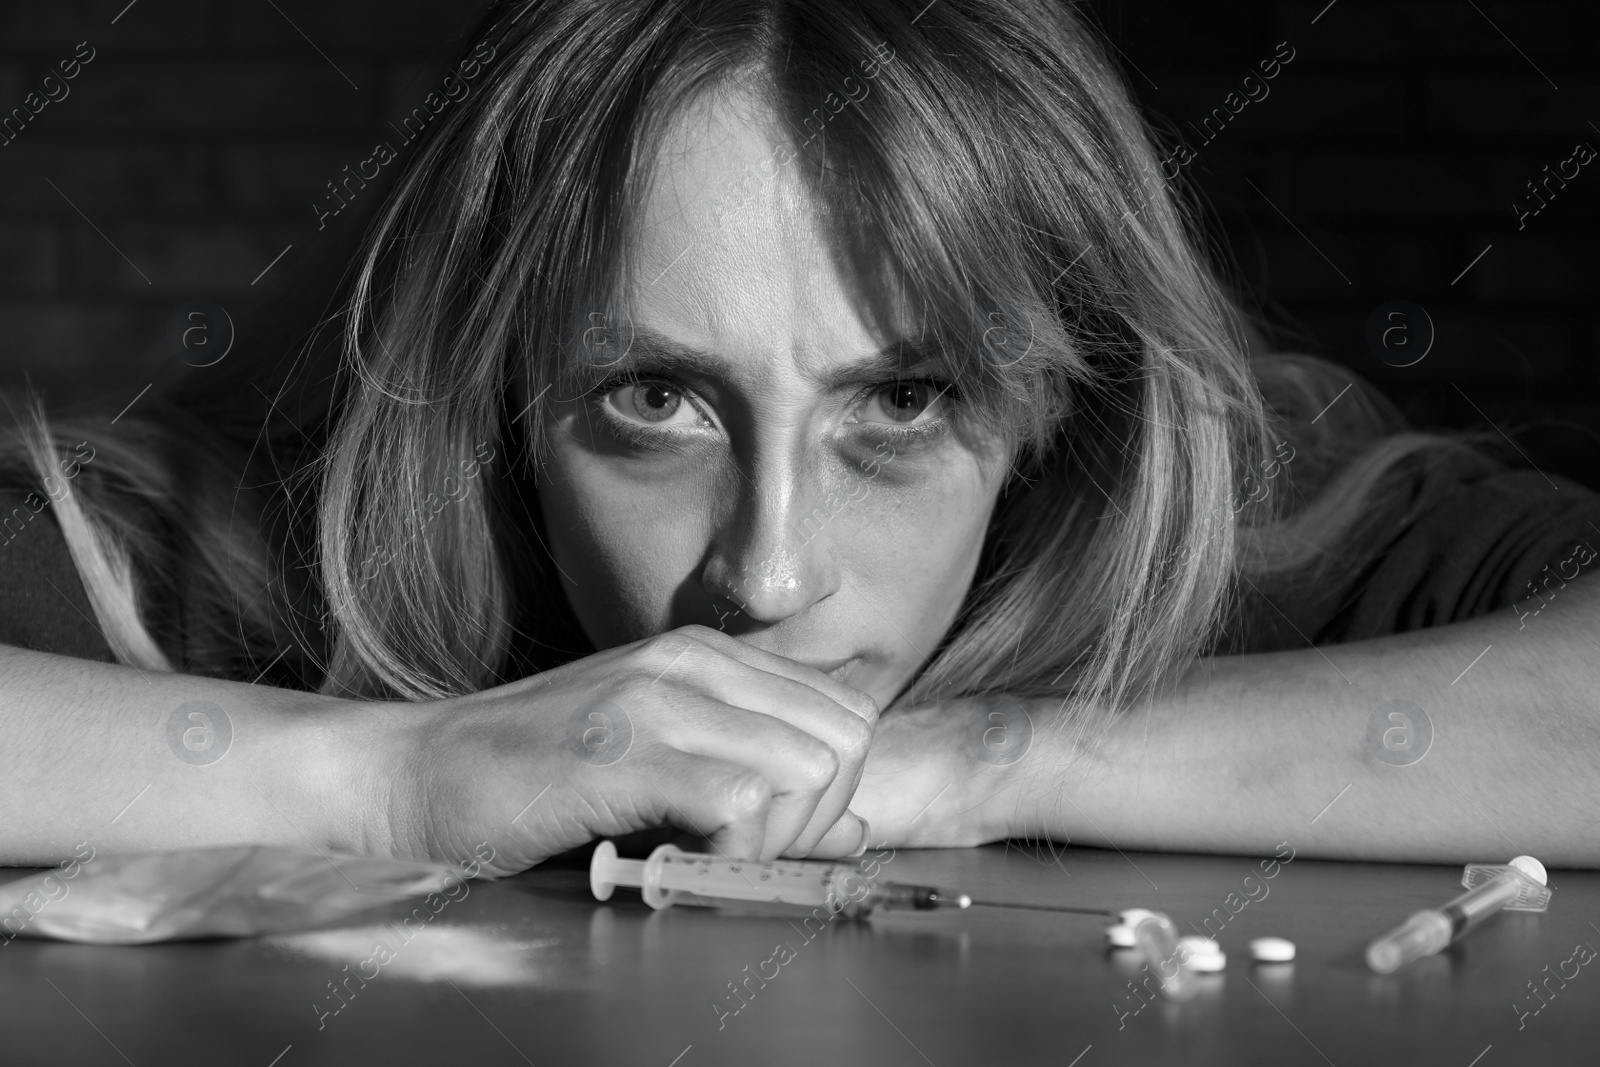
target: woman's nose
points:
(774, 557)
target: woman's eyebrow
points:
(903, 358)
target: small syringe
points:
(1515, 886)
(672, 876)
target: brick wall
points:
(1378, 166)
(183, 160)
(185, 156)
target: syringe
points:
(1516, 886)
(672, 876)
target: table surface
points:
(532, 970)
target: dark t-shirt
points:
(1461, 539)
(42, 602)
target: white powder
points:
(466, 955)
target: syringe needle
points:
(671, 875)
(1040, 907)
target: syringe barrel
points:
(1426, 932)
(1430, 930)
(1482, 901)
(673, 876)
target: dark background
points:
(1386, 157)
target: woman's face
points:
(764, 463)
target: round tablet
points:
(1204, 954)
(1272, 950)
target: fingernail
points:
(866, 834)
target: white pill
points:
(1120, 935)
(1204, 954)
(1272, 950)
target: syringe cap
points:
(1532, 868)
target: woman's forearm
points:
(1253, 750)
(129, 760)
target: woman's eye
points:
(905, 402)
(655, 404)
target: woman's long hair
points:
(982, 157)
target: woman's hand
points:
(949, 775)
(691, 727)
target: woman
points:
(808, 360)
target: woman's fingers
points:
(802, 696)
(757, 753)
(800, 768)
(770, 663)
(758, 681)
(846, 838)
(720, 800)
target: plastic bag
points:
(238, 891)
